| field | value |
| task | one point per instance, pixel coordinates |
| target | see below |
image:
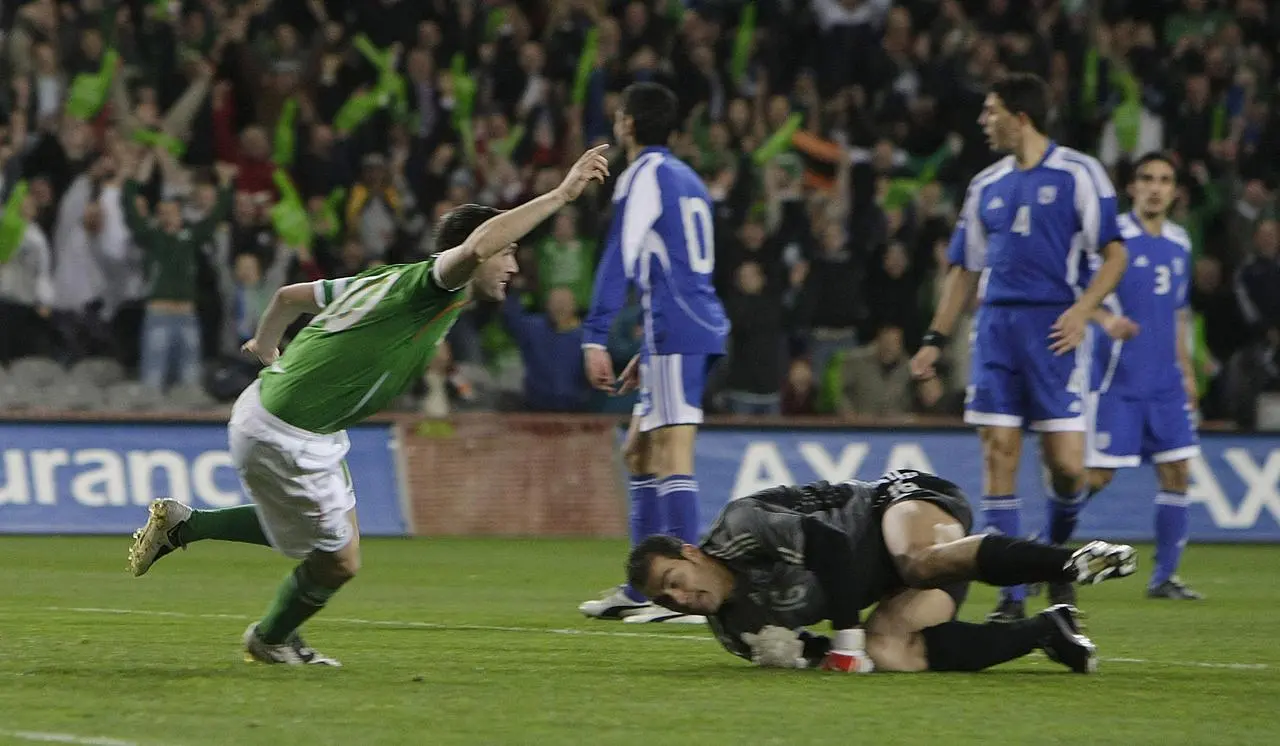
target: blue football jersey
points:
(662, 245)
(1030, 232)
(1154, 288)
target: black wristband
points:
(934, 339)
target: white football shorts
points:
(297, 479)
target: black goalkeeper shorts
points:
(940, 492)
(948, 496)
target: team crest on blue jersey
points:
(1177, 265)
(1048, 194)
(995, 204)
(1141, 261)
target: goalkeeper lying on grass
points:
(789, 557)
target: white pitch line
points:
(42, 737)
(565, 631)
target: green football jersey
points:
(374, 337)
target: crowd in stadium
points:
(168, 165)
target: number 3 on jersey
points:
(1163, 285)
(696, 214)
(1022, 221)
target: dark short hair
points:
(459, 223)
(654, 108)
(642, 555)
(1024, 93)
(1154, 157)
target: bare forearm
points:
(287, 304)
(457, 265)
(956, 291)
(1107, 276)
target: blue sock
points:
(1003, 515)
(1171, 534)
(678, 495)
(1064, 514)
(646, 516)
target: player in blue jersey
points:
(1144, 387)
(1029, 226)
(660, 246)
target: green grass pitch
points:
(479, 642)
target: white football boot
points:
(291, 652)
(155, 539)
(612, 604)
(1099, 560)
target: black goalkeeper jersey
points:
(801, 555)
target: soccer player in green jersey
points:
(372, 335)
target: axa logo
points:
(1252, 486)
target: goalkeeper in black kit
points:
(789, 557)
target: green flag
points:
(1089, 89)
(331, 213)
(1127, 116)
(288, 216)
(506, 145)
(742, 44)
(389, 90)
(154, 138)
(464, 94)
(13, 226)
(778, 141)
(355, 110)
(284, 143)
(586, 65)
(89, 91)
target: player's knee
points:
(335, 569)
(1066, 472)
(1000, 453)
(922, 568)
(348, 566)
(671, 451)
(1175, 477)
(1067, 482)
(892, 653)
(1098, 479)
(635, 461)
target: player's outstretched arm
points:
(287, 304)
(455, 266)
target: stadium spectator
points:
(566, 259)
(550, 344)
(171, 346)
(829, 132)
(26, 292)
(876, 379)
(756, 343)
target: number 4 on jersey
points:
(1022, 221)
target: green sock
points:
(298, 599)
(229, 524)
